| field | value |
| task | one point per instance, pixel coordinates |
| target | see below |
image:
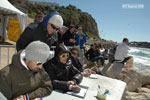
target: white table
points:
(116, 88)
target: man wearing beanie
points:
(44, 31)
(25, 77)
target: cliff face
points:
(71, 16)
(74, 16)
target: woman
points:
(63, 74)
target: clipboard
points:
(80, 94)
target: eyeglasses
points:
(74, 53)
(64, 55)
(54, 27)
(38, 64)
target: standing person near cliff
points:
(80, 38)
(69, 36)
(43, 32)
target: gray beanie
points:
(56, 20)
(37, 51)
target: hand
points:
(93, 72)
(81, 37)
(86, 74)
(70, 40)
(130, 56)
(76, 88)
(74, 41)
(71, 82)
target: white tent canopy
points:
(7, 10)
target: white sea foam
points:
(141, 58)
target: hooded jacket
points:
(37, 32)
(62, 73)
(16, 80)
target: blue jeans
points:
(99, 58)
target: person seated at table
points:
(63, 74)
(76, 63)
(25, 76)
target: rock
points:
(136, 96)
(146, 86)
(143, 90)
(144, 77)
(114, 70)
(131, 78)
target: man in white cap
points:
(25, 77)
(45, 31)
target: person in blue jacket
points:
(44, 31)
(80, 38)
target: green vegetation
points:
(71, 16)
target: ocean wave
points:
(140, 52)
(141, 58)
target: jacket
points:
(90, 54)
(16, 80)
(67, 36)
(62, 73)
(76, 63)
(36, 32)
(80, 42)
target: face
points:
(34, 66)
(80, 31)
(127, 42)
(51, 28)
(72, 30)
(74, 53)
(96, 48)
(39, 18)
(64, 57)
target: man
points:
(38, 18)
(93, 55)
(76, 63)
(121, 54)
(80, 38)
(25, 77)
(69, 36)
(43, 32)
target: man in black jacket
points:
(63, 74)
(93, 55)
(69, 36)
(43, 31)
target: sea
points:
(141, 58)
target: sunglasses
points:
(54, 27)
(74, 53)
(40, 16)
(64, 55)
(38, 64)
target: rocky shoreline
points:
(140, 44)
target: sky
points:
(116, 19)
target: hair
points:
(39, 13)
(74, 48)
(125, 39)
(96, 46)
